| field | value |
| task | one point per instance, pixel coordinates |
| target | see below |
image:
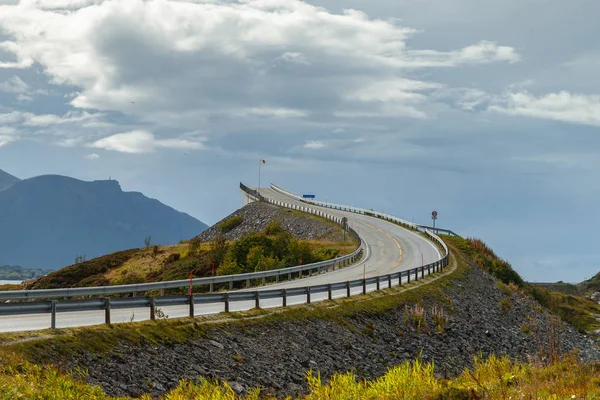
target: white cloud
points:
(53, 119)
(140, 141)
(273, 112)
(486, 52)
(12, 48)
(14, 85)
(92, 156)
(562, 106)
(314, 144)
(145, 57)
(294, 58)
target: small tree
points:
(194, 246)
(218, 250)
(147, 242)
(79, 258)
(155, 251)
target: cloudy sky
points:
(487, 111)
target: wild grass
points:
(493, 378)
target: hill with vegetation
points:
(590, 286)
(272, 248)
(49, 220)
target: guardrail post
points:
(289, 276)
(416, 274)
(284, 295)
(378, 283)
(364, 286)
(277, 278)
(257, 299)
(53, 317)
(247, 283)
(347, 289)
(329, 294)
(422, 272)
(389, 280)
(152, 309)
(263, 281)
(226, 298)
(308, 295)
(107, 310)
(162, 292)
(191, 297)
(231, 284)
(210, 287)
(428, 269)
(134, 294)
(400, 278)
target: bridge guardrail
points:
(342, 207)
(389, 280)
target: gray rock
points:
(237, 387)
(216, 344)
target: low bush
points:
(231, 223)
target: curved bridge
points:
(391, 253)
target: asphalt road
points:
(392, 249)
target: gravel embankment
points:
(275, 356)
(257, 216)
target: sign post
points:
(434, 215)
(345, 227)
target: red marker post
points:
(191, 283)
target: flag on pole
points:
(263, 161)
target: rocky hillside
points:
(255, 217)
(449, 322)
(591, 287)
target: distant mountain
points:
(48, 220)
(7, 180)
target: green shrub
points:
(231, 223)
(274, 228)
(172, 258)
(229, 267)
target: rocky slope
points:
(273, 353)
(257, 216)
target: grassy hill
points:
(272, 248)
(590, 286)
(581, 312)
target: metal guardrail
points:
(53, 307)
(437, 230)
(317, 267)
(342, 207)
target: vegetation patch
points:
(494, 378)
(231, 223)
(86, 273)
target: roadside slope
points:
(448, 321)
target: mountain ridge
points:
(49, 219)
(7, 180)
